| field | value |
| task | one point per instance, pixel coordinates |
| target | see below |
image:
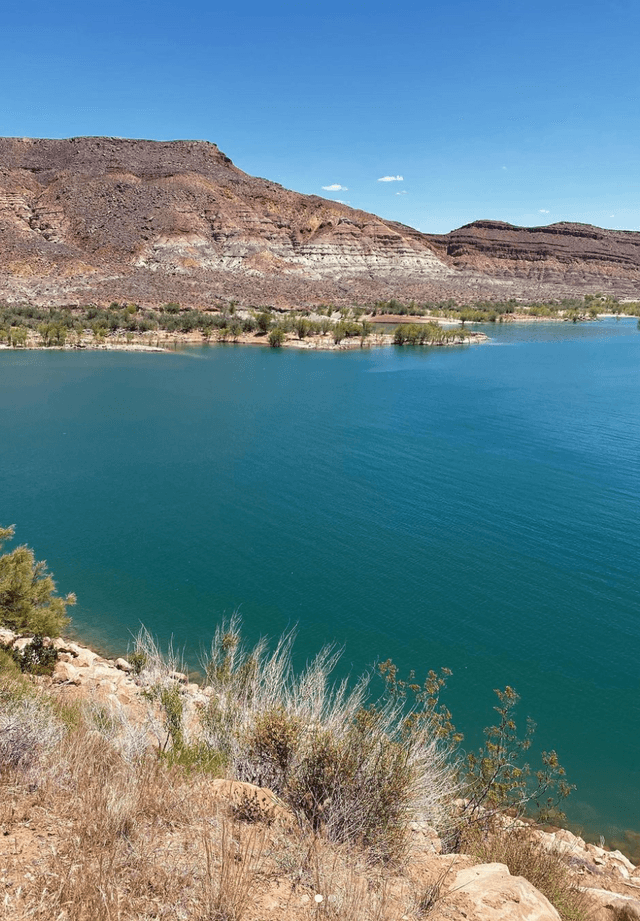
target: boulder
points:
(123, 665)
(66, 673)
(21, 642)
(99, 672)
(613, 906)
(488, 892)
(251, 802)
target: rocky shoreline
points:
(468, 889)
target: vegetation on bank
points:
(82, 326)
(573, 309)
(351, 766)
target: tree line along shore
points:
(123, 325)
(130, 791)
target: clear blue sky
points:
(521, 111)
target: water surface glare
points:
(475, 508)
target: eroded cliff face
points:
(574, 254)
(152, 220)
(102, 219)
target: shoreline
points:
(309, 343)
(124, 713)
(377, 330)
(105, 675)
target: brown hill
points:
(101, 219)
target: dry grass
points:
(29, 731)
(107, 837)
(349, 770)
(234, 860)
(524, 856)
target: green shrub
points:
(35, 658)
(137, 660)
(8, 664)
(302, 327)
(197, 757)
(263, 321)
(276, 337)
(497, 779)
(28, 603)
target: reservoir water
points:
(475, 508)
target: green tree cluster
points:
(28, 600)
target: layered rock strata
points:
(92, 220)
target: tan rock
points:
(66, 673)
(99, 672)
(123, 665)
(21, 642)
(257, 802)
(488, 892)
(613, 906)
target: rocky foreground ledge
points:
(460, 887)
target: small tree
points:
(28, 603)
(276, 337)
(264, 322)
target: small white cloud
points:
(504, 167)
(404, 192)
(543, 211)
(336, 187)
(391, 179)
(339, 201)
(612, 215)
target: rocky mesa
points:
(102, 219)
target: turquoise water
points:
(475, 508)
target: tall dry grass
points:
(344, 765)
(524, 855)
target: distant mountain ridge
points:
(102, 219)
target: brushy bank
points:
(261, 790)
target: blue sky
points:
(523, 111)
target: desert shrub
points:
(129, 739)
(264, 322)
(303, 327)
(345, 329)
(8, 664)
(29, 730)
(355, 770)
(499, 781)
(495, 781)
(276, 337)
(137, 661)
(196, 757)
